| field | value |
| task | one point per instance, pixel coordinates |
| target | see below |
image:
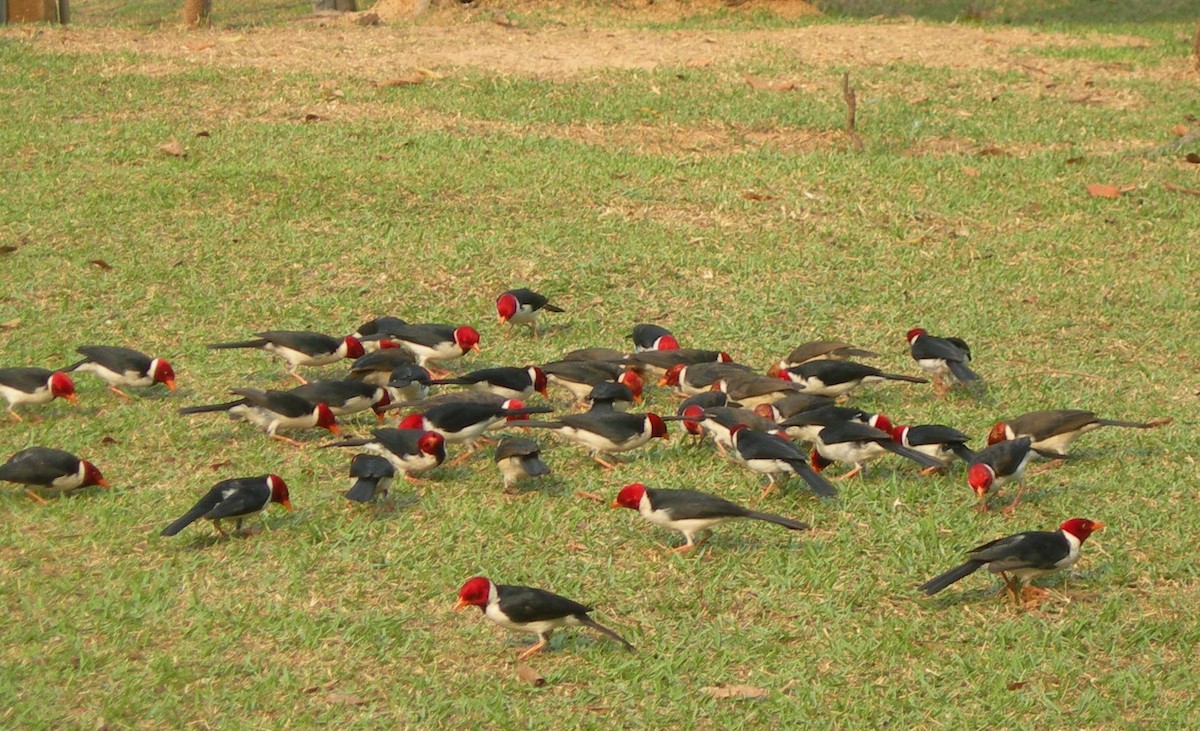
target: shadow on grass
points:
(1029, 12)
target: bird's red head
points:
(635, 384)
(384, 344)
(767, 411)
(515, 403)
(412, 421)
(91, 475)
(506, 306)
(326, 419)
(382, 402)
(775, 368)
(1081, 528)
(913, 334)
(666, 342)
(474, 593)
(467, 338)
(431, 443)
(354, 348)
(161, 372)
(980, 478)
(724, 357)
(672, 376)
(999, 433)
(61, 386)
(539, 380)
(783, 374)
(898, 431)
(818, 461)
(658, 427)
(733, 431)
(279, 491)
(694, 415)
(630, 496)
(880, 422)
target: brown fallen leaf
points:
(1075, 160)
(106, 440)
(410, 80)
(735, 691)
(992, 151)
(1179, 130)
(345, 699)
(6, 249)
(1103, 190)
(764, 85)
(204, 133)
(529, 675)
(585, 495)
(1178, 189)
(173, 148)
(310, 117)
(219, 465)
(196, 47)
(101, 264)
(699, 63)
(9, 324)
(1015, 684)
(1192, 157)
(575, 546)
(970, 172)
(750, 195)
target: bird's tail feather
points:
(941, 581)
(902, 377)
(362, 491)
(553, 308)
(256, 343)
(963, 451)
(819, 484)
(919, 457)
(187, 519)
(535, 467)
(777, 520)
(211, 408)
(1136, 424)
(71, 368)
(584, 619)
(961, 371)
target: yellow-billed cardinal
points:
(524, 609)
(792, 404)
(346, 397)
(518, 459)
(377, 367)
(409, 450)
(806, 425)
(660, 361)
(373, 333)
(609, 396)
(752, 389)
(50, 469)
(689, 511)
(432, 342)
(408, 382)
(1021, 557)
(509, 382)
(819, 350)
(370, 476)
(466, 421)
(1000, 464)
(1056, 430)
(522, 307)
(272, 411)
(602, 354)
(696, 378)
(652, 337)
(21, 386)
(943, 443)
(694, 406)
(945, 359)
(235, 499)
(773, 455)
(579, 376)
(300, 348)
(607, 432)
(124, 367)
(835, 378)
(720, 421)
(854, 443)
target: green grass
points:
(626, 206)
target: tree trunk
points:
(196, 12)
(337, 6)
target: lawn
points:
(685, 167)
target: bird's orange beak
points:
(662, 382)
(1097, 526)
(104, 483)
(335, 429)
(460, 604)
(615, 504)
(287, 505)
(476, 348)
(170, 384)
(72, 398)
(503, 319)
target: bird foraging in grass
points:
(1058, 429)
(51, 470)
(946, 359)
(371, 477)
(519, 459)
(522, 307)
(272, 411)
(300, 348)
(525, 609)
(124, 368)
(19, 386)
(235, 499)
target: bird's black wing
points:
(27, 380)
(526, 604)
(693, 504)
(116, 359)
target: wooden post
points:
(195, 12)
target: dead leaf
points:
(6, 249)
(575, 546)
(195, 47)
(750, 195)
(310, 117)
(101, 264)
(1193, 158)
(764, 85)
(529, 675)
(1015, 684)
(410, 80)
(970, 172)
(173, 148)
(106, 440)
(736, 691)
(1103, 190)
(310, 689)
(1179, 130)
(219, 465)
(1178, 189)
(9, 324)
(1075, 160)
(992, 151)
(204, 133)
(345, 699)
(585, 495)
(699, 63)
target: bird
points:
(945, 359)
(522, 307)
(819, 350)
(123, 367)
(50, 469)
(941, 442)
(610, 355)
(370, 476)
(300, 348)
(1021, 557)
(607, 432)
(346, 397)
(579, 376)
(773, 455)
(806, 425)
(373, 333)
(660, 361)
(466, 421)
(430, 342)
(701, 401)
(792, 404)
(696, 378)
(753, 389)
(21, 386)
(525, 609)
(720, 421)
(1000, 464)
(652, 337)
(409, 450)
(518, 459)
(376, 367)
(835, 378)
(1056, 430)
(690, 511)
(272, 411)
(855, 444)
(408, 382)
(234, 499)
(506, 381)
(609, 396)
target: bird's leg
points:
(1031, 594)
(1052, 465)
(462, 457)
(770, 486)
(608, 466)
(857, 470)
(982, 506)
(930, 471)
(721, 450)
(36, 498)
(411, 478)
(294, 374)
(287, 440)
(704, 538)
(15, 415)
(940, 387)
(542, 642)
(1011, 586)
(684, 548)
(119, 392)
(1008, 510)
(217, 525)
(435, 372)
